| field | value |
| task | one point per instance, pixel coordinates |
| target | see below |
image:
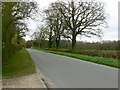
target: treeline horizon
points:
(85, 45)
(106, 49)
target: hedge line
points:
(100, 53)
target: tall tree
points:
(58, 22)
(49, 21)
(55, 23)
(83, 18)
(8, 29)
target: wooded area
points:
(67, 20)
(14, 26)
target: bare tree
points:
(58, 23)
(40, 35)
(83, 18)
(55, 22)
(49, 21)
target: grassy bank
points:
(20, 64)
(100, 60)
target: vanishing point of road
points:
(66, 72)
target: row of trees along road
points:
(67, 20)
(14, 27)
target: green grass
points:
(100, 60)
(19, 64)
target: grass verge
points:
(19, 64)
(99, 60)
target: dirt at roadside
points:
(28, 81)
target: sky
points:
(109, 33)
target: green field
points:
(100, 60)
(20, 64)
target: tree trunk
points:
(50, 41)
(73, 41)
(57, 41)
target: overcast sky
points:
(110, 33)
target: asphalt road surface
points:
(66, 72)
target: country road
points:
(66, 72)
